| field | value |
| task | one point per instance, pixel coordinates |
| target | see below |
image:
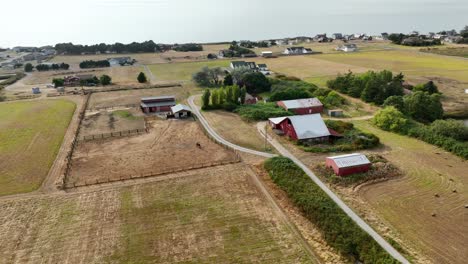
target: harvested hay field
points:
(182, 71)
(433, 182)
(132, 97)
(104, 122)
(31, 134)
(216, 215)
(170, 145)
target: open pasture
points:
(170, 145)
(31, 134)
(104, 122)
(183, 71)
(434, 182)
(215, 215)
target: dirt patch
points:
(105, 122)
(169, 145)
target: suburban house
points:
(243, 64)
(36, 90)
(120, 61)
(75, 80)
(296, 51)
(305, 128)
(262, 67)
(181, 111)
(337, 36)
(157, 104)
(348, 164)
(302, 106)
(347, 47)
(267, 54)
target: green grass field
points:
(182, 71)
(31, 134)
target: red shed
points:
(302, 127)
(302, 106)
(348, 164)
(157, 104)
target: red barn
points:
(302, 127)
(302, 106)
(157, 104)
(348, 164)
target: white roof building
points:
(309, 126)
(180, 107)
(350, 160)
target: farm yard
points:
(216, 215)
(170, 145)
(104, 122)
(31, 133)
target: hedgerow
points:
(338, 229)
(261, 111)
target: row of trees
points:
(94, 64)
(451, 135)
(407, 40)
(46, 67)
(253, 44)
(371, 87)
(227, 98)
(103, 80)
(421, 106)
(235, 50)
(134, 47)
(188, 47)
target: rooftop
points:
(350, 160)
(309, 126)
(180, 107)
(152, 98)
(302, 103)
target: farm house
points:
(302, 106)
(157, 104)
(303, 127)
(181, 111)
(348, 164)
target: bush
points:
(28, 67)
(261, 111)
(188, 47)
(256, 83)
(58, 82)
(105, 79)
(94, 64)
(390, 119)
(141, 78)
(450, 128)
(340, 231)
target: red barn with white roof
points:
(302, 106)
(348, 164)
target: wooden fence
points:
(105, 108)
(124, 133)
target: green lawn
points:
(182, 71)
(31, 134)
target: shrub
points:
(141, 78)
(450, 128)
(340, 231)
(94, 64)
(105, 79)
(390, 119)
(261, 111)
(28, 67)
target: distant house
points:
(250, 99)
(75, 80)
(302, 106)
(181, 111)
(36, 90)
(296, 51)
(337, 36)
(157, 104)
(347, 47)
(384, 35)
(321, 38)
(223, 53)
(243, 64)
(267, 54)
(262, 67)
(305, 128)
(120, 61)
(348, 164)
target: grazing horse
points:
(198, 145)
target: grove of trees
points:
(134, 47)
(188, 47)
(46, 67)
(94, 64)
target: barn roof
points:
(309, 126)
(167, 97)
(302, 103)
(180, 107)
(350, 160)
(277, 120)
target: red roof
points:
(334, 133)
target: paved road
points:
(261, 128)
(218, 138)
(283, 151)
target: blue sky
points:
(32, 22)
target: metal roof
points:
(277, 120)
(247, 64)
(157, 98)
(309, 126)
(302, 103)
(350, 160)
(157, 104)
(180, 107)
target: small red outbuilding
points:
(302, 106)
(348, 164)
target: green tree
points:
(28, 67)
(256, 83)
(428, 87)
(450, 128)
(105, 79)
(390, 119)
(371, 91)
(395, 101)
(228, 81)
(221, 96)
(229, 94)
(423, 106)
(236, 93)
(215, 98)
(58, 82)
(208, 77)
(142, 77)
(206, 99)
(243, 94)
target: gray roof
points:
(262, 65)
(309, 126)
(350, 160)
(240, 64)
(158, 98)
(302, 103)
(277, 120)
(180, 107)
(157, 104)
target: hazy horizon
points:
(49, 22)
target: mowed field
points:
(182, 71)
(31, 134)
(408, 203)
(216, 215)
(170, 145)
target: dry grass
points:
(30, 136)
(96, 123)
(208, 216)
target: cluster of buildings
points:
(165, 105)
(261, 67)
(347, 47)
(122, 61)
